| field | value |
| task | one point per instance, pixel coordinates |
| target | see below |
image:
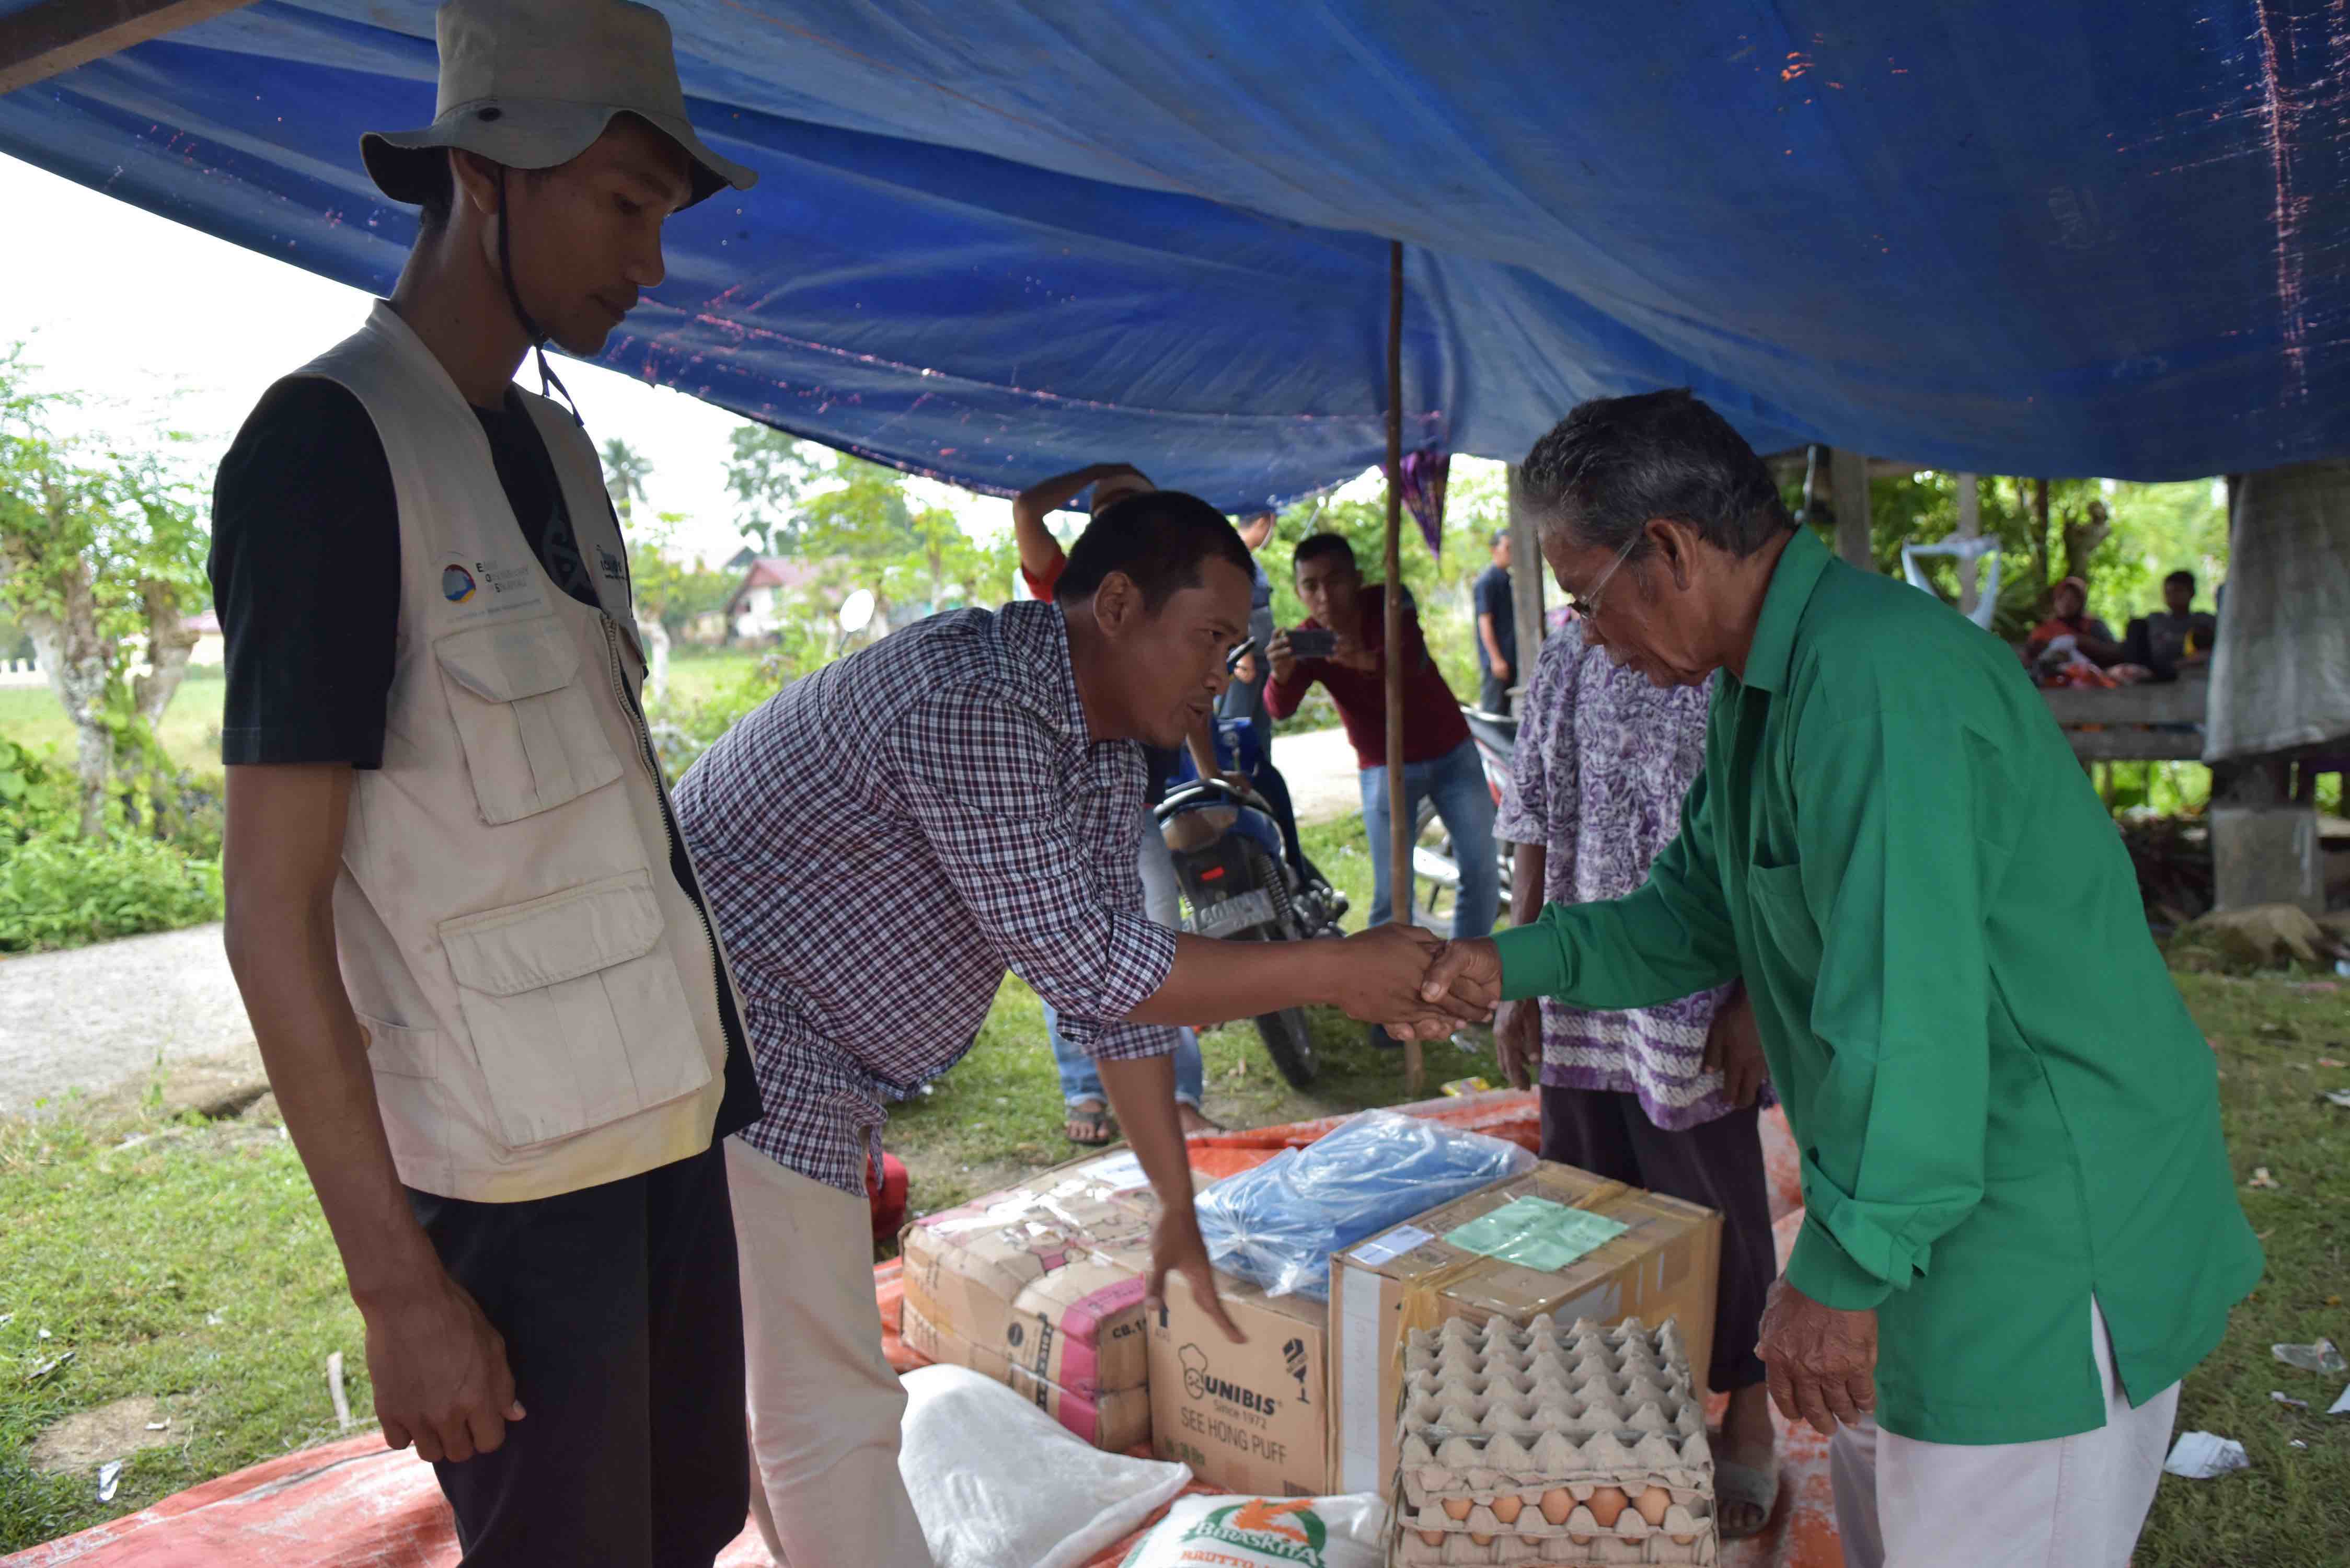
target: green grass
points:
(2291, 1509)
(192, 1267)
(125, 1254)
(30, 716)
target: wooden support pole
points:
(1399, 835)
(1848, 481)
(1969, 527)
(42, 40)
(1527, 571)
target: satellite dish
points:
(857, 610)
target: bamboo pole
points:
(1399, 835)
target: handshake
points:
(1419, 985)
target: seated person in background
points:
(1439, 759)
(2174, 636)
(2069, 617)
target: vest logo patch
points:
(456, 584)
(614, 567)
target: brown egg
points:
(1683, 1540)
(1606, 1504)
(1433, 1537)
(1652, 1504)
(1457, 1507)
(1477, 1540)
(1507, 1507)
(1556, 1504)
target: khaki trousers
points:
(825, 1405)
(2066, 1503)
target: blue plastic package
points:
(1277, 1226)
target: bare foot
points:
(1747, 1439)
(1089, 1124)
(1192, 1121)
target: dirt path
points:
(92, 1018)
(1320, 770)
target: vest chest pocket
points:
(575, 1009)
(531, 736)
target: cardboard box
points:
(1114, 1421)
(1047, 1276)
(1665, 1265)
(1251, 1418)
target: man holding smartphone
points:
(1342, 645)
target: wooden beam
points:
(1848, 480)
(42, 40)
(1399, 835)
(2136, 745)
(1969, 527)
(2180, 701)
(1527, 573)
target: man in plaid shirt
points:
(879, 843)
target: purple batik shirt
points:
(1603, 762)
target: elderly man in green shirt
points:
(2021, 1229)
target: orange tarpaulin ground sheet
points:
(355, 1504)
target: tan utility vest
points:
(540, 996)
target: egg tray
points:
(1605, 1549)
(1516, 1441)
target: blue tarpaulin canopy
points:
(998, 238)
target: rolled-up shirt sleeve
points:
(1063, 913)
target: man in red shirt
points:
(1439, 759)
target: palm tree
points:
(625, 472)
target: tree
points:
(800, 499)
(101, 560)
(767, 471)
(670, 592)
(625, 472)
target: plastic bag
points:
(1266, 1532)
(995, 1481)
(1276, 1226)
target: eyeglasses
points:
(1586, 606)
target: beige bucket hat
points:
(533, 83)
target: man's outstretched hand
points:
(1385, 968)
(1463, 980)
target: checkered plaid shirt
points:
(883, 838)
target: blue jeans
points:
(1456, 782)
(1162, 901)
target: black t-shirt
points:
(306, 579)
(1494, 599)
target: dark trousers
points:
(623, 1324)
(1717, 1163)
(1493, 695)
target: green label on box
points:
(1536, 1233)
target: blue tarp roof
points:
(998, 238)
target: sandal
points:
(1737, 1483)
(1091, 1128)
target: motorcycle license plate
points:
(1251, 908)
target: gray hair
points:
(1612, 463)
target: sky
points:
(154, 320)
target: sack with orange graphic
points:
(1267, 1532)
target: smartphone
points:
(1305, 643)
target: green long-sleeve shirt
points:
(2002, 1103)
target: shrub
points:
(59, 892)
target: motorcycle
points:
(1232, 864)
(1434, 863)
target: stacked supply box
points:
(1041, 1287)
(1251, 1418)
(1557, 1445)
(1557, 1239)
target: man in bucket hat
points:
(473, 948)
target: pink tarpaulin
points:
(356, 1504)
